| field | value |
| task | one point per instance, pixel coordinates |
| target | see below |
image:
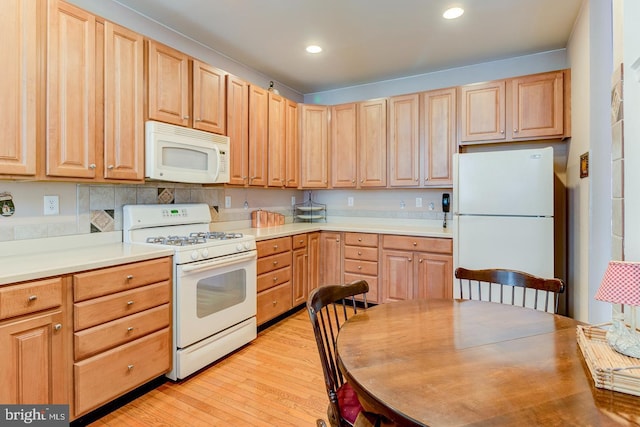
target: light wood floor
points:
(274, 381)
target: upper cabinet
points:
(344, 145)
(238, 129)
(314, 146)
(292, 143)
(525, 108)
(175, 96)
(258, 135)
(277, 150)
(404, 141)
(437, 137)
(372, 143)
(19, 93)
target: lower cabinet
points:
(274, 284)
(416, 267)
(330, 268)
(300, 269)
(361, 261)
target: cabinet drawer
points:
(273, 278)
(273, 246)
(299, 241)
(423, 244)
(361, 267)
(361, 239)
(372, 295)
(273, 262)
(115, 279)
(112, 334)
(274, 302)
(357, 252)
(110, 307)
(16, 300)
(101, 378)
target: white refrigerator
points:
(503, 210)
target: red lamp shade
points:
(621, 283)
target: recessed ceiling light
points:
(314, 49)
(453, 13)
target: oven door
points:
(214, 295)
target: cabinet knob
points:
(353, 181)
(337, 240)
(415, 243)
(501, 130)
(274, 303)
(409, 259)
(57, 326)
(515, 130)
(33, 297)
(359, 267)
(359, 239)
(130, 329)
(420, 261)
(129, 367)
(275, 278)
(198, 120)
(110, 167)
(359, 253)
(301, 241)
(130, 276)
(275, 262)
(185, 117)
(275, 247)
(130, 302)
(92, 166)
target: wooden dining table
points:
(460, 362)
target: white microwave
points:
(179, 154)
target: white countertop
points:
(32, 259)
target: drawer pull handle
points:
(275, 302)
(275, 247)
(130, 276)
(275, 278)
(415, 243)
(275, 262)
(359, 239)
(130, 329)
(301, 241)
(57, 327)
(359, 253)
(359, 267)
(130, 302)
(420, 260)
(33, 297)
(130, 367)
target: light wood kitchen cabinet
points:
(238, 129)
(344, 146)
(300, 265)
(209, 100)
(33, 343)
(20, 92)
(404, 141)
(292, 143)
(122, 330)
(372, 143)
(437, 136)
(168, 84)
(314, 146)
(123, 105)
(524, 108)
(361, 261)
(313, 263)
(274, 283)
(331, 258)
(258, 135)
(416, 267)
(71, 92)
(277, 154)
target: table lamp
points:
(621, 285)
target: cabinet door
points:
(482, 112)
(71, 88)
(277, 156)
(300, 276)
(314, 146)
(434, 276)
(258, 135)
(168, 82)
(330, 258)
(397, 275)
(209, 102)
(123, 103)
(292, 143)
(313, 262)
(372, 143)
(538, 106)
(404, 141)
(238, 129)
(33, 365)
(438, 119)
(18, 87)
(344, 145)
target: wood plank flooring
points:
(276, 380)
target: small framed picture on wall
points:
(584, 165)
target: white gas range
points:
(214, 281)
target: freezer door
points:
(516, 243)
(514, 182)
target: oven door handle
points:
(216, 263)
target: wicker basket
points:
(610, 370)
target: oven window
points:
(215, 293)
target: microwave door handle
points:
(217, 151)
(218, 263)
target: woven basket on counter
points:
(610, 370)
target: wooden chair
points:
(510, 286)
(329, 307)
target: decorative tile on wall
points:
(102, 221)
(617, 164)
(165, 195)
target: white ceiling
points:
(364, 40)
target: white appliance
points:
(179, 154)
(503, 211)
(214, 281)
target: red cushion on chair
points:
(349, 404)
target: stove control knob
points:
(194, 255)
(205, 253)
(239, 247)
(247, 245)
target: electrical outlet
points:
(227, 202)
(51, 205)
(349, 201)
(293, 200)
(432, 206)
(418, 202)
